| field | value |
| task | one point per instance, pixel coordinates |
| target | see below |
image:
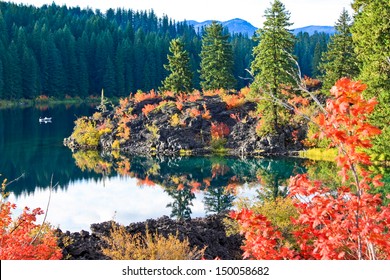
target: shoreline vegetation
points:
(51, 101)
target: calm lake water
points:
(95, 188)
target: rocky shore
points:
(200, 232)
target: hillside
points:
(238, 25)
(315, 28)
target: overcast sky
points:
(303, 12)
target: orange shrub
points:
(210, 93)
(311, 83)
(141, 96)
(148, 108)
(179, 105)
(232, 100)
(219, 130)
(194, 96)
(21, 238)
(206, 115)
(194, 112)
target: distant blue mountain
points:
(315, 28)
(234, 25)
(238, 25)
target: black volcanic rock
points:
(155, 133)
(200, 232)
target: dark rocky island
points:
(193, 124)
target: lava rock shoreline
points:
(208, 231)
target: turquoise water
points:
(89, 187)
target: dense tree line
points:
(61, 51)
(58, 51)
(308, 51)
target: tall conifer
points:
(340, 59)
(216, 66)
(273, 65)
(371, 36)
(180, 77)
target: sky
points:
(303, 12)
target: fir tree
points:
(29, 74)
(340, 60)
(109, 79)
(273, 65)
(216, 66)
(1, 79)
(13, 75)
(371, 36)
(180, 77)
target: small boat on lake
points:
(44, 120)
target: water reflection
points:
(182, 177)
(95, 187)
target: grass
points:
(50, 101)
(319, 154)
(15, 103)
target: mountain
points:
(315, 28)
(236, 25)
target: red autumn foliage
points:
(262, 239)
(311, 84)
(347, 223)
(236, 117)
(206, 115)
(22, 238)
(141, 96)
(194, 112)
(233, 100)
(219, 130)
(194, 96)
(195, 186)
(145, 182)
(179, 105)
(148, 108)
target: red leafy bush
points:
(219, 130)
(22, 238)
(347, 223)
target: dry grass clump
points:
(124, 246)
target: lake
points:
(89, 187)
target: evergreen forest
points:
(65, 52)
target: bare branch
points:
(47, 209)
(15, 180)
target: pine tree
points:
(12, 73)
(273, 65)
(216, 66)
(109, 79)
(180, 77)
(82, 65)
(371, 36)
(56, 83)
(29, 74)
(1, 79)
(3, 29)
(129, 66)
(120, 70)
(340, 60)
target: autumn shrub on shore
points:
(346, 223)
(121, 245)
(21, 238)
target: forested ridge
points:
(67, 52)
